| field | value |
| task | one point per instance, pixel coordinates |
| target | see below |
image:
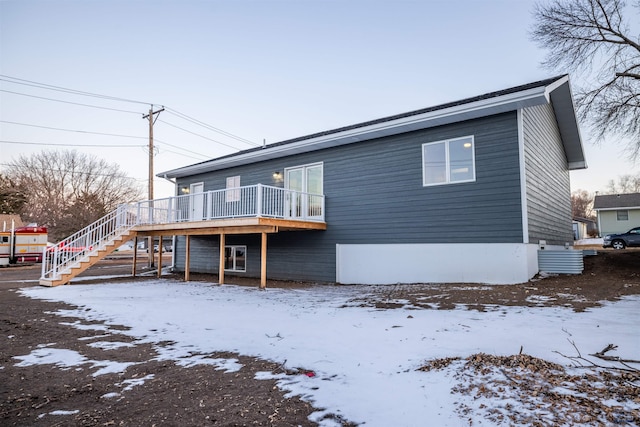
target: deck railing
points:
(250, 201)
(242, 202)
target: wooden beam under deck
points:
(221, 266)
(187, 257)
(229, 226)
(222, 227)
(263, 262)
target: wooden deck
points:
(223, 227)
(254, 209)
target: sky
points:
(235, 74)
(354, 360)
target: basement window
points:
(448, 162)
(235, 258)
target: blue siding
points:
(374, 194)
(547, 176)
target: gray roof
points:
(555, 91)
(615, 201)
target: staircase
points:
(76, 253)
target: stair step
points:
(67, 272)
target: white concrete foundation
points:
(491, 263)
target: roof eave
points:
(481, 108)
(617, 208)
(559, 94)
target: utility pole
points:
(151, 122)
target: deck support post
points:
(221, 268)
(159, 257)
(135, 256)
(263, 261)
(187, 257)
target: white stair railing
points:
(59, 259)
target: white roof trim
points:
(466, 111)
(620, 208)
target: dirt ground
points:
(202, 395)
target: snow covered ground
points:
(364, 359)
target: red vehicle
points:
(22, 244)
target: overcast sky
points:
(259, 70)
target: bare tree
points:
(625, 184)
(592, 38)
(67, 190)
(12, 198)
(582, 204)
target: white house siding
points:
(609, 223)
(496, 263)
(548, 191)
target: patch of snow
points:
(133, 382)
(110, 345)
(80, 326)
(67, 359)
(364, 359)
(93, 337)
(110, 395)
(592, 241)
(61, 412)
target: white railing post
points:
(259, 200)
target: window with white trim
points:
(449, 161)
(622, 215)
(233, 189)
(235, 258)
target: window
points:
(622, 215)
(305, 179)
(235, 258)
(448, 162)
(233, 182)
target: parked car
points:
(621, 241)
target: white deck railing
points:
(242, 202)
(250, 201)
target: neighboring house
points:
(460, 192)
(617, 213)
(583, 228)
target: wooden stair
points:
(78, 266)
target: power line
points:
(24, 82)
(74, 130)
(2, 141)
(182, 154)
(205, 125)
(92, 173)
(105, 134)
(69, 102)
(197, 134)
(65, 90)
(183, 149)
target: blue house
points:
(459, 192)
